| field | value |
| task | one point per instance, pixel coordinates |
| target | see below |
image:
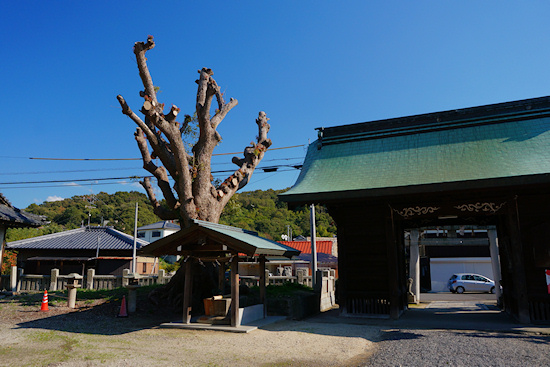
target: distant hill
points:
(259, 210)
(116, 210)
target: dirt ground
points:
(92, 335)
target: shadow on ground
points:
(89, 316)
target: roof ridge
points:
(47, 236)
(224, 226)
(434, 121)
(125, 237)
(5, 201)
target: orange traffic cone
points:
(123, 312)
(44, 306)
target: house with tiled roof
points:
(327, 252)
(105, 249)
(11, 217)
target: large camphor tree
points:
(194, 194)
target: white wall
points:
(149, 232)
(441, 269)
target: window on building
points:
(155, 234)
(141, 234)
(144, 268)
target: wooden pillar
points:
(495, 262)
(2, 243)
(263, 298)
(235, 320)
(221, 277)
(518, 264)
(341, 224)
(188, 291)
(393, 270)
(414, 264)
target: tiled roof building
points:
(106, 249)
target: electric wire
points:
(123, 168)
(41, 184)
(128, 159)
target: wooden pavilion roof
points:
(212, 241)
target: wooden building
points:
(224, 246)
(12, 217)
(104, 249)
(487, 165)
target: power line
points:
(68, 171)
(77, 180)
(123, 168)
(265, 169)
(127, 159)
(38, 184)
(45, 186)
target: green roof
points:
(509, 140)
(205, 239)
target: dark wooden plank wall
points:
(534, 219)
(363, 258)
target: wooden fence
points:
(18, 281)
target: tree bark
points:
(159, 136)
(192, 196)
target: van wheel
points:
(493, 290)
(459, 290)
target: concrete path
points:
(445, 312)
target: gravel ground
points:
(406, 347)
(91, 335)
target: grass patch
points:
(111, 294)
(287, 289)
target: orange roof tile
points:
(324, 247)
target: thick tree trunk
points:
(205, 285)
(193, 195)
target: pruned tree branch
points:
(159, 172)
(158, 209)
(159, 145)
(252, 157)
(140, 48)
(193, 195)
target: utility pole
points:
(288, 232)
(313, 245)
(135, 240)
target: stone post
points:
(132, 283)
(125, 277)
(72, 285)
(13, 279)
(161, 277)
(19, 278)
(53, 279)
(132, 296)
(90, 278)
(300, 273)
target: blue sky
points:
(306, 63)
